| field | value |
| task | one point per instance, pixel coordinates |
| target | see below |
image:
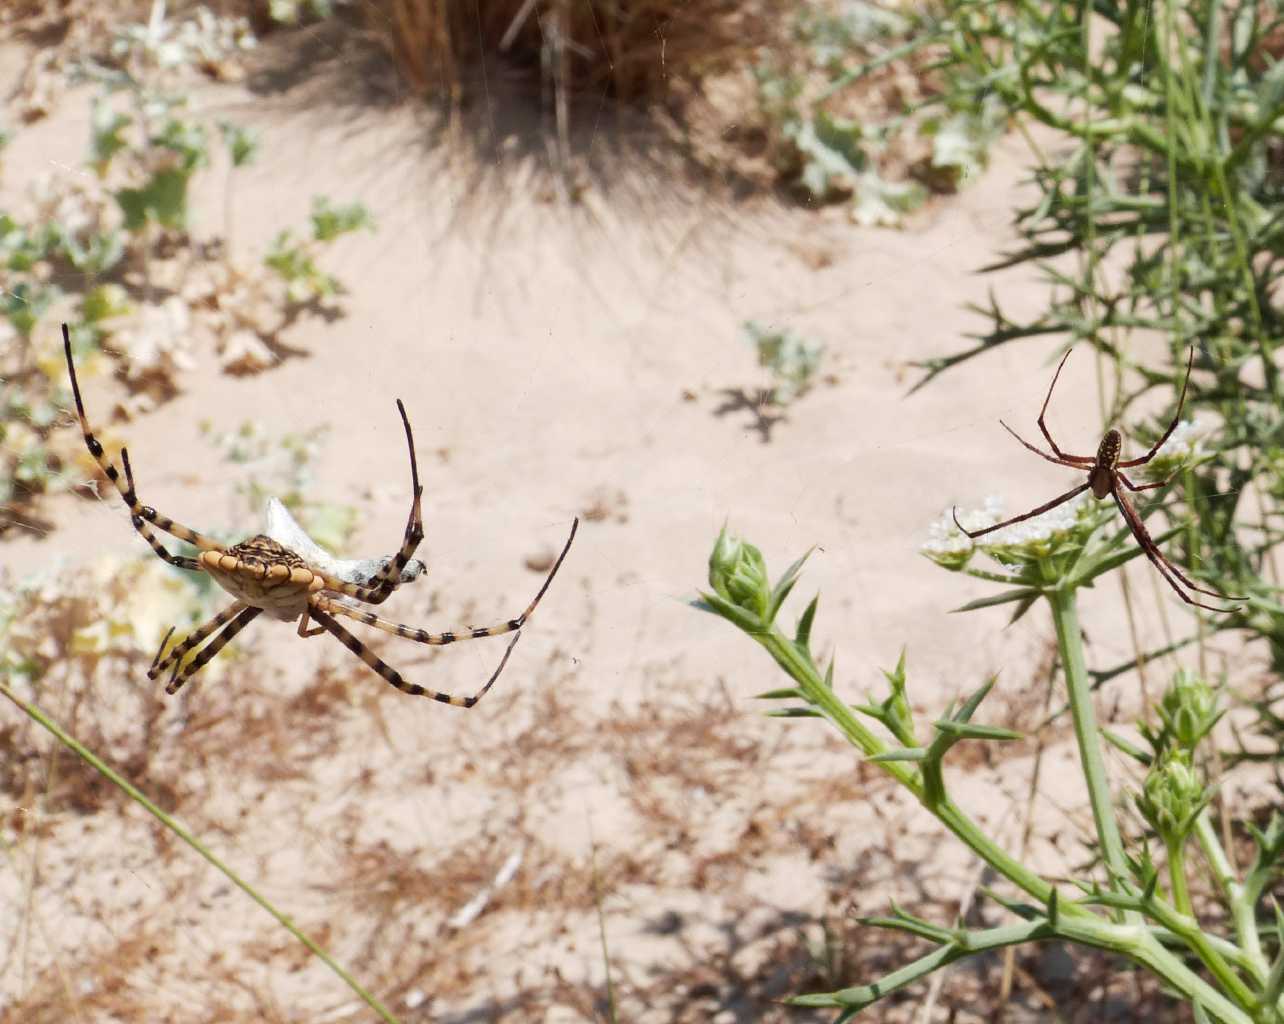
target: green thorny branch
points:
(1129, 911)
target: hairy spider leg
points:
(246, 616)
(193, 639)
(393, 677)
(1079, 460)
(1021, 518)
(421, 636)
(389, 577)
(1190, 362)
(1143, 487)
(139, 514)
(1073, 461)
(1160, 561)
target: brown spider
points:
(1105, 473)
(265, 576)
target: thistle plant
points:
(1157, 155)
(1227, 967)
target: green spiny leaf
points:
(802, 636)
(904, 754)
(784, 585)
(788, 693)
(1006, 597)
(969, 707)
(969, 731)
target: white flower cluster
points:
(164, 43)
(1062, 519)
(1186, 439)
(944, 537)
(1184, 447)
(949, 546)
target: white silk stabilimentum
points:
(285, 530)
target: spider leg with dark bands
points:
(193, 639)
(138, 512)
(212, 648)
(372, 595)
(389, 577)
(393, 677)
(450, 636)
(179, 561)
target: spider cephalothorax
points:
(1105, 474)
(265, 575)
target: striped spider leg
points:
(266, 576)
(1105, 474)
(322, 609)
(143, 517)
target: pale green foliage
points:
(282, 468)
(34, 456)
(792, 362)
(295, 260)
(833, 142)
(147, 143)
(242, 143)
(113, 608)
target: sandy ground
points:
(558, 362)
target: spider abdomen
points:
(264, 574)
(1101, 476)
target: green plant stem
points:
(137, 796)
(1177, 877)
(801, 669)
(1145, 928)
(1187, 929)
(1237, 899)
(1138, 944)
(1065, 615)
(1224, 948)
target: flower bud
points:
(738, 574)
(1172, 795)
(1188, 709)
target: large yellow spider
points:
(266, 576)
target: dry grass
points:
(633, 50)
(701, 809)
(707, 802)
